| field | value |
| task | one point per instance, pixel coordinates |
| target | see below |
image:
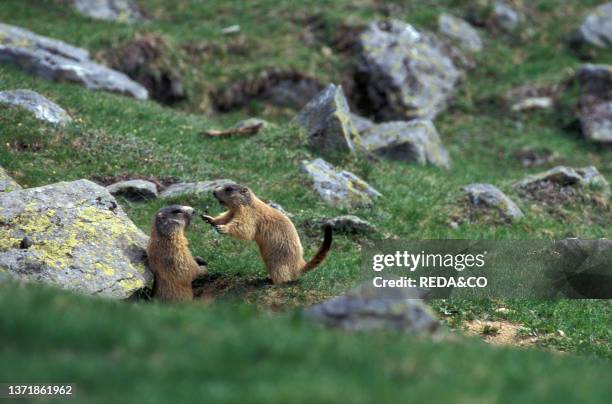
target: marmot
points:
(249, 218)
(169, 257)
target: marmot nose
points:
(187, 209)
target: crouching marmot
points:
(169, 257)
(249, 218)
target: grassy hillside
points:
(223, 350)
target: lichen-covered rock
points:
(415, 141)
(186, 188)
(489, 196)
(596, 28)
(135, 190)
(533, 103)
(596, 102)
(327, 122)
(567, 176)
(347, 224)
(338, 188)
(7, 184)
(459, 32)
(505, 16)
(367, 308)
(111, 10)
(403, 73)
(40, 106)
(57, 61)
(72, 235)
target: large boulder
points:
(111, 10)
(415, 141)
(367, 308)
(40, 106)
(338, 188)
(186, 188)
(73, 235)
(56, 60)
(460, 32)
(346, 224)
(327, 122)
(596, 28)
(596, 102)
(7, 184)
(490, 197)
(403, 73)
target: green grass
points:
(224, 351)
(232, 353)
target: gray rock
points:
(40, 106)
(252, 122)
(489, 196)
(367, 308)
(415, 141)
(596, 28)
(110, 10)
(338, 188)
(348, 224)
(7, 184)
(360, 123)
(406, 74)
(596, 102)
(136, 190)
(567, 176)
(78, 239)
(459, 32)
(57, 61)
(506, 17)
(327, 123)
(186, 188)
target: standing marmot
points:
(169, 257)
(248, 218)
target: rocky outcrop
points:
(72, 235)
(490, 197)
(596, 28)
(414, 141)
(403, 73)
(57, 61)
(111, 10)
(327, 122)
(338, 188)
(367, 308)
(460, 32)
(7, 184)
(42, 108)
(134, 190)
(187, 188)
(596, 102)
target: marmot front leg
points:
(223, 218)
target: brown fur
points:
(249, 218)
(169, 257)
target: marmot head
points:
(233, 195)
(172, 219)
